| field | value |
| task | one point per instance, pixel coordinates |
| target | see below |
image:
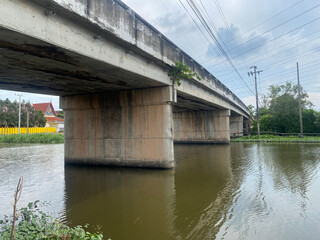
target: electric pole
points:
(19, 110)
(27, 120)
(257, 100)
(300, 111)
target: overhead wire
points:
(212, 35)
(273, 39)
(194, 21)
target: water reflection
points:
(236, 191)
(130, 203)
(275, 202)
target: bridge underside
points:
(118, 102)
(35, 66)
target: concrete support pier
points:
(125, 128)
(246, 127)
(202, 127)
(236, 126)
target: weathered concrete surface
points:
(127, 128)
(236, 126)
(69, 47)
(202, 127)
(246, 127)
(96, 55)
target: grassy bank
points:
(273, 138)
(33, 138)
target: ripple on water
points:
(236, 191)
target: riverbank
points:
(45, 138)
(273, 138)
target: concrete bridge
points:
(110, 69)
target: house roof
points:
(54, 119)
(43, 107)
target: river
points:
(236, 191)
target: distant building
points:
(50, 115)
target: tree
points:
(280, 111)
(284, 106)
(40, 120)
(60, 114)
(9, 115)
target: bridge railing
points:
(24, 130)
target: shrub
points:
(35, 224)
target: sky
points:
(272, 35)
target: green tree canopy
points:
(9, 114)
(280, 111)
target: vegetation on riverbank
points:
(9, 112)
(35, 224)
(274, 138)
(279, 111)
(33, 138)
(31, 223)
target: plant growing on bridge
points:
(181, 71)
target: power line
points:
(195, 9)
(273, 16)
(271, 40)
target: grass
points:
(51, 138)
(273, 138)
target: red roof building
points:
(46, 108)
(50, 115)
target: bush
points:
(35, 224)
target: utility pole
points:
(257, 100)
(19, 110)
(300, 111)
(27, 120)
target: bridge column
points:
(202, 127)
(246, 127)
(126, 128)
(236, 126)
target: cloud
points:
(249, 100)
(314, 97)
(176, 23)
(236, 44)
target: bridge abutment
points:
(236, 126)
(202, 127)
(130, 128)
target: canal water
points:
(236, 191)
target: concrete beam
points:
(202, 127)
(126, 128)
(48, 45)
(214, 96)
